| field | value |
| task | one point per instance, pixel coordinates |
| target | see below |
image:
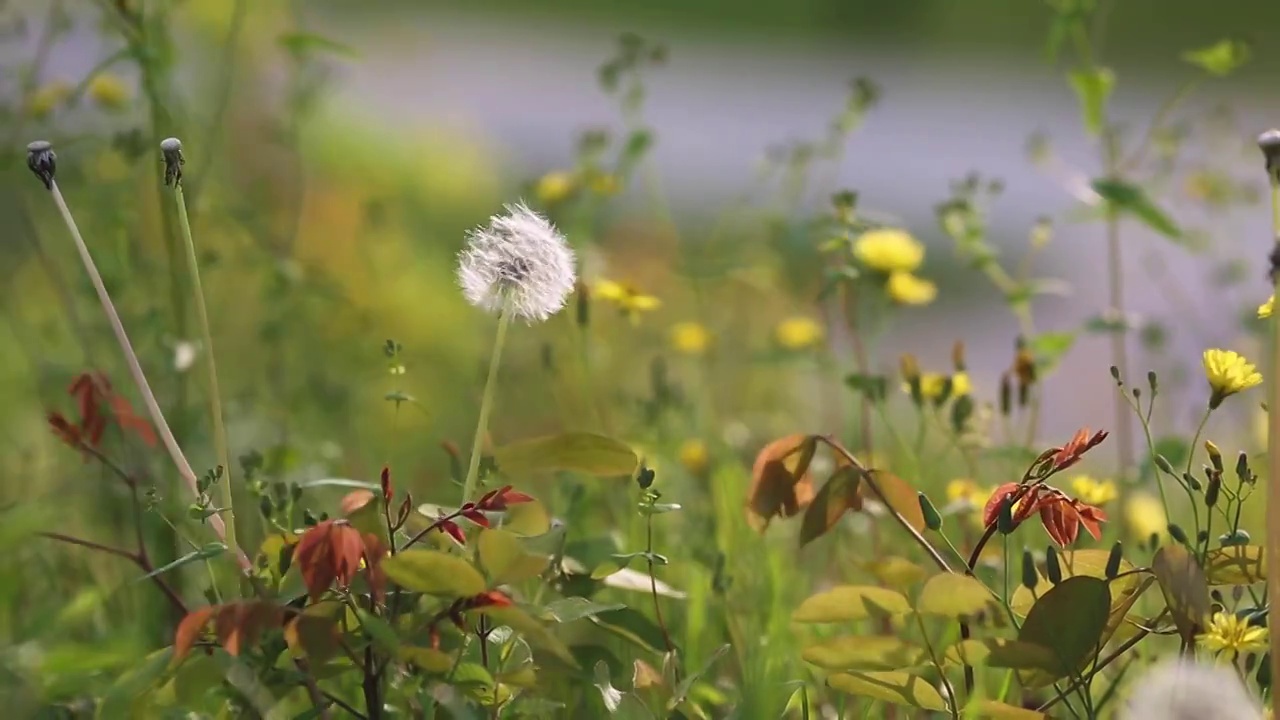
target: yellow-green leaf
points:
(1000, 653)
(529, 519)
(505, 560)
(996, 710)
(896, 572)
(863, 653)
(533, 632)
(850, 602)
(900, 496)
(124, 695)
(893, 686)
(434, 573)
(1093, 87)
(953, 595)
(1184, 586)
(1069, 621)
(580, 452)
(1236, 565)
(1089, 563)
(1222, 58)
(427, 659)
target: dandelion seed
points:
(1186, 690)
(1225, 632)
(1228, 373)
(518, 263)
(889, 250)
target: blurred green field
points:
(729, 357)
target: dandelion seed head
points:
(518, 262)
(1186, 690)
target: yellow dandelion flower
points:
(1226, 632)
(690, 338)
(961, 385)
(46, 98)
(889, 250)
(907, 289)
(605, 184)
(695, 457)
(967, 494)
(108, 91)
(1144, 516)
(933, 384)
(1228, 373)
(1266, 308)
(555, 187)
(1093, 492)
(798, 333)
(627, 298)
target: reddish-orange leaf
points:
(780, 480)
(353, 501)
(329, 551)
(189, 631)
(239, 625)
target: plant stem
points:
(1119, 339)
(135, 368)
(215, 395)
(137, 558)
(653, 590)
(1273, 447)
(486, 406)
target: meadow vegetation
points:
(307, 420)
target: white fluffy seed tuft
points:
(1186, 690)
(519, 263)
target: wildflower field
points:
(310, 417)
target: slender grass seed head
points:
(517, 263)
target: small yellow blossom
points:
(555, 187)
(967, 494)
(932, 385)
(1266, 308)
(1228, 373)
(1093, 492)
(694, 457)
(907, 289)
(889, 250)
(1226, 632)
(798, 333)
(1144, 515)
(47, 98)
(627, 298)
(108, 91)
(690, 338)
(605, 184)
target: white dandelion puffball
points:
(518, 263)
(1186, 690)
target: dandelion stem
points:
(486, 405)
(215, 395)
(135, 368)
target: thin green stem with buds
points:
(215, 395)
(486, 406)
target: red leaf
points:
(451, 528)
(476, 517)
(189, 631)
(385, 479)
(328, 552)
(353, 501)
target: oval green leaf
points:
(850, 602)
(953, 595)
(434, 573)
(1236, 565)
(505, 560)
(586, 453)
(1185, 588)
(893, 686)
(1068, 621)
(863, 653)
(1000, 653)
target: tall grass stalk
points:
(172, 149)
(135, 367)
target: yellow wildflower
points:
(627, 298)
(555, 187)
(694, 456)
(1093, 492)
(690, 338)
(798, 333)
(1228, 373)
(889, 250)
(907, 289)
(1265, 309)
(108, 91)
(967, 494)
(932, 385)
(605, 184)
(1144, 515)
(47, 98)
(1226, 632)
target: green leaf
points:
(1049, 348)
(1068, 621)
(682, 690)
(533, 632)
(847, 603)
(198, 674)
(529, 519)
(1186, 591)
(505, 560)
(633, 626)
(427, 659)
(586, 453)
(434, 573)
(210, 550)
(895, 572)
(301, 44)
(339, 482)
(895, 686)
(380, 631)
(121, 699)
(874, 387)
(1001, 653)
(996, 710)
(863, 653)
(1236, 565)
(575, 608)
(953, 595)
(838, 496)
(1222, 58)
(1093, 88)
(1128, 198)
